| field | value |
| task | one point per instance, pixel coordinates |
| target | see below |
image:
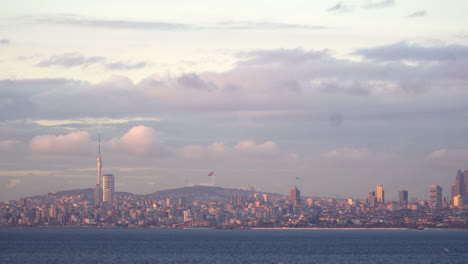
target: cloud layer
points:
(69, 60)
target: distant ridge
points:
(200, 193)
(197, 192)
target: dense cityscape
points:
(244, 209)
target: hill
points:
(198, 192)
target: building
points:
(458, 201)
(295, 195)
(371, 199)
(460, 184)
(403, 196)
(98, 188)
(380, 194)
(435, 196)
(108, 188)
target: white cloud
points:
(355, 154)
(139, 141)
(73, 143)
(12, 183)
(242, 150)
(448, 155)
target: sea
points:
(48, 245)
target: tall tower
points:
(380, 194)
(99, 161)
(98, 187)
(435, 196)
(108, 188)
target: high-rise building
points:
(295, 195)
(98, 188)
(460, 187)
(403, 196)
(371, 199)
(465, 173)
(380, 194)
(435, 196)
(458, 201)
(108, 188)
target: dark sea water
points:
(232, 246)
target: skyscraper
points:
(380, 194)
(465, 173)
(435, 196)
(98, 187)
(371, 199)
(460, 187)
(403, 196)
(295, 195)
(108, 188)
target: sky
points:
(345, 95)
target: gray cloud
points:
(4, 42)
(116, 24)
(246, 25)
(374, 4)
(69, 60)
(263, 80)
(339, 7)
(72, 20)
(193, 81)
(418, 13)
(405, 51)
(121, 65)
(284, 56)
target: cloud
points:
(286, 84)
(78, 21)
(193, 81)
(69, 60)
(405, 51)
(12, 183)
(243, 150)
(348, 153)
(418, 13)
(355, 154)
(73, 20)
(4, 42)
(282, 56)
(72, 144)
(375, 4)
(444, 155)
(138, 141)
(126, 65)
(8, 145)
(248, 147)
(339, 7)
(262, 25)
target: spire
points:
(99, 142)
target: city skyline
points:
(354, 93)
